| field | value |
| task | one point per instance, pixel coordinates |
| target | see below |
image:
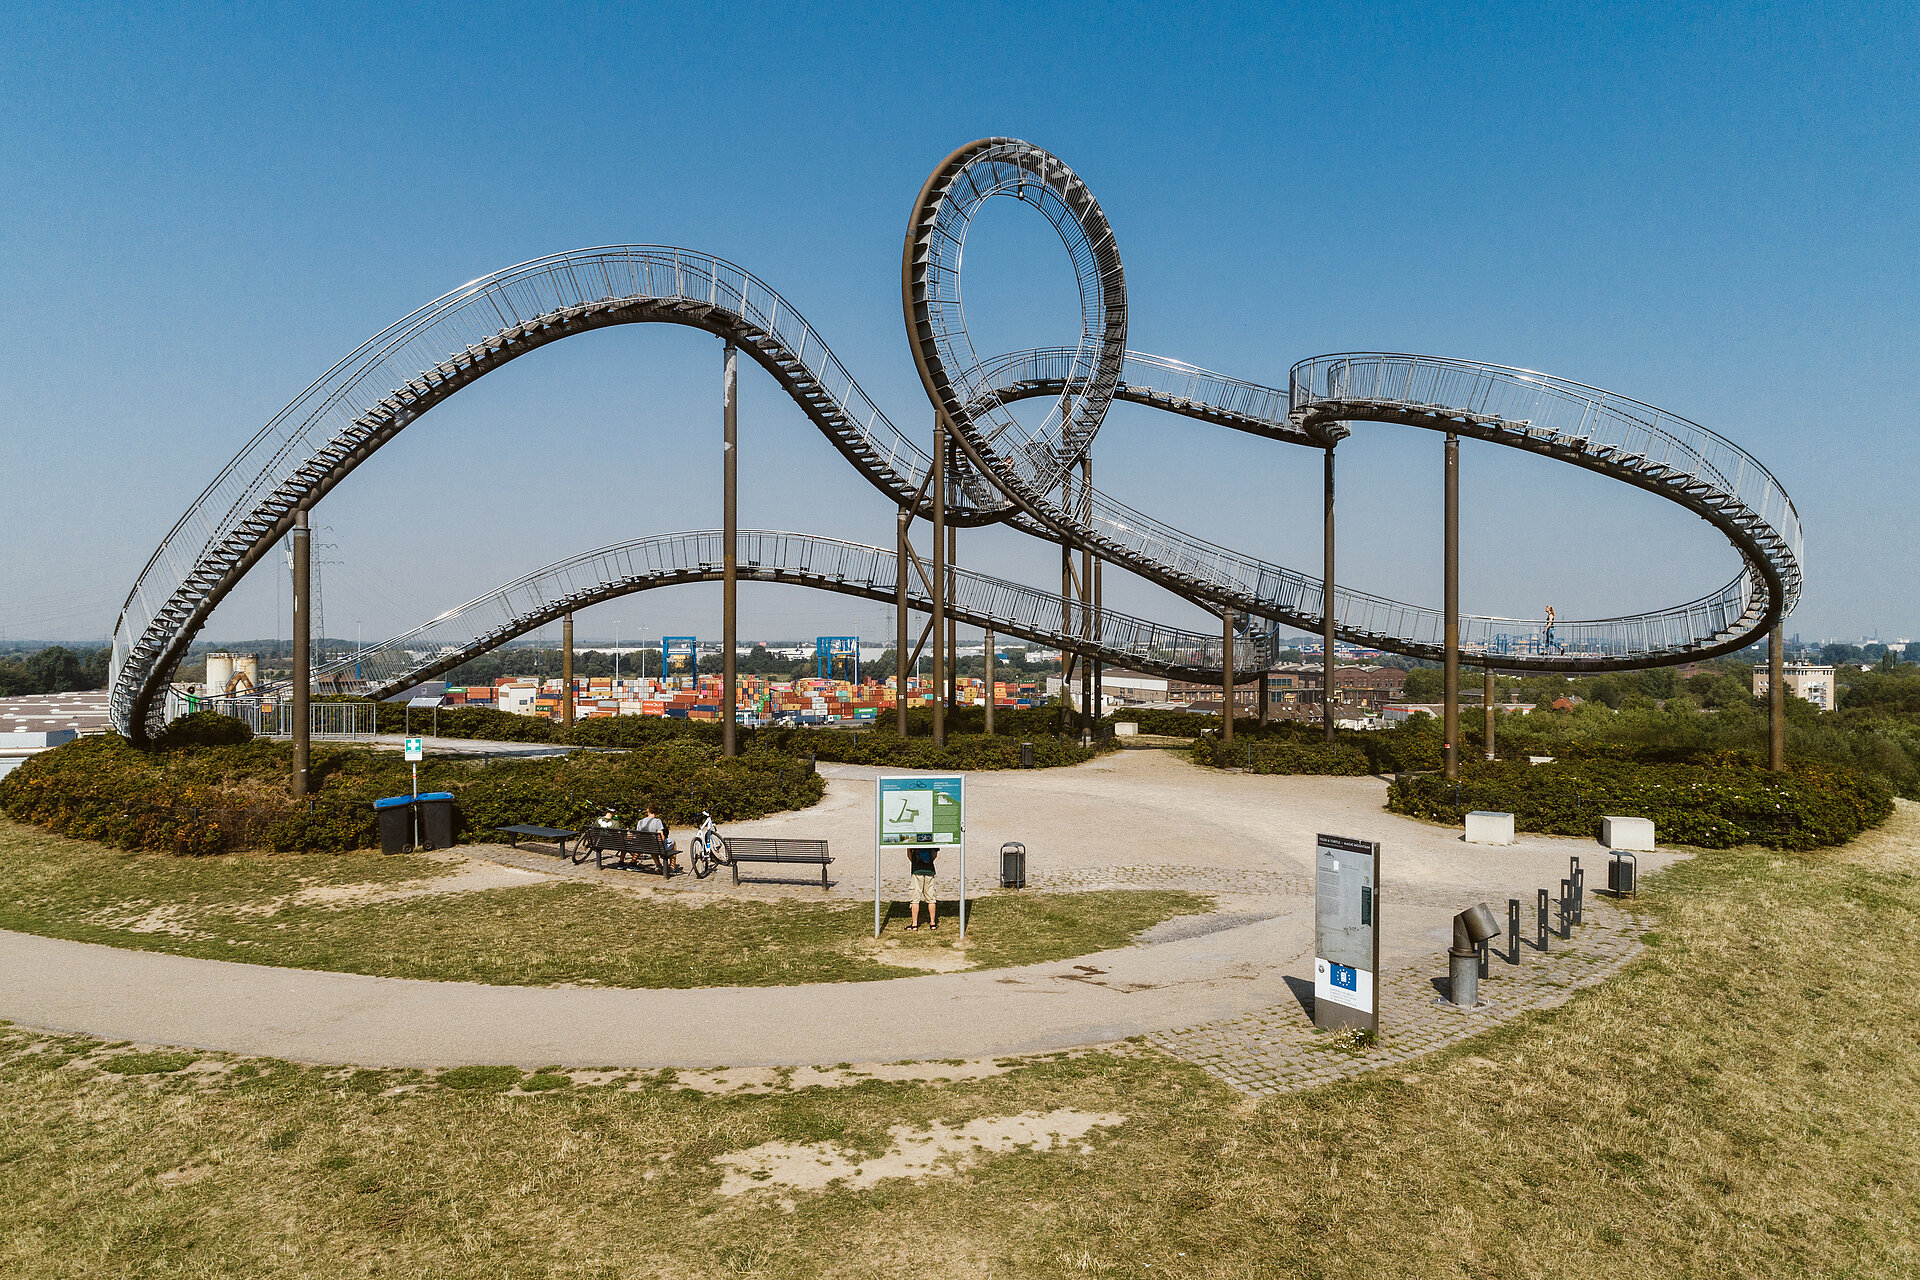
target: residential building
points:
(1804, 680)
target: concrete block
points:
(1125, 728)
(1632, 834)
(1484, 826)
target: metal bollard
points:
(1578, 880)
(1513, 931)
(1485, 949)
(1541, 922)
(1566, 910)
(1465, 960)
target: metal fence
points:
(271, 717)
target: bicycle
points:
(610, 819)
(707, 848)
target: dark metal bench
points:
(623, 848)
(526, 831)
(765, 849)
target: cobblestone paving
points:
(1277, 1050)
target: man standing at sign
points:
(920, 859)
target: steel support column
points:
(302, 650)
(566, 670)
(939, 629)
(730, 577)
(1486, 698)
(1262, 695)
(1099, 694)
(1226, 675)
(1450, 688)
(948, 584)
(988, 651)
(1776, 701)
(903, 561)
(1326, 605)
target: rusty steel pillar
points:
(1262, 695)
(302, 652)
(1326, 606)
(1450, 711)
(1776, 701)
(1226, 675)
(903, 560)
(1486, 697)
(566, 671)
(937, 634)
(989, 680)
(730, 567)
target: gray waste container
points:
(436, 820)
(395, 815)
(1013, 865)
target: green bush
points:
(1712, 806)
(1257, 755)
(204, 729)
(215, 799)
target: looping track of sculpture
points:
(1011, 469)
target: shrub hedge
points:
(213, 799)
(968, 746)
(1708, 805)
(1259, 755)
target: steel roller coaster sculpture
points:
(1008, 471)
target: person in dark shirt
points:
(920, 867)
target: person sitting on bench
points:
(921, 859)
(653, 823)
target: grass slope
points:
(1743, 1101)
(248, 908)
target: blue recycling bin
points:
(395, 815)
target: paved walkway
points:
(1218, 990)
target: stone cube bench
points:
(1485, 826)
(1632, 834)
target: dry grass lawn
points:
(419, 916)
(1743, 1101)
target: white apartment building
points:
(1803, 680)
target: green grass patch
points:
(322, 911)
(148, 1064)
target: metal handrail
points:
(833, 564)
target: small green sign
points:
(926, 810)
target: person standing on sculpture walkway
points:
(920, 867)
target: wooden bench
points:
(764, 849)
(624, 848)
(526, 831)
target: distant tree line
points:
(55, 669)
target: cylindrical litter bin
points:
(436, 820)
(1026, 755)
(1013, 865)
(395, 815)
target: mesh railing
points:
(979, 600)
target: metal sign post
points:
(921, 810)
(1346, 934)
(415, 752)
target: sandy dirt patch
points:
(778, 1079)
(915, 1154)
(468, 877)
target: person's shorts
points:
(922, 890)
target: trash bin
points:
(1013, 865)
(1620, 874)
(396, 823)
(1026, 755)
(436, 820)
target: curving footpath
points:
(315, 1016)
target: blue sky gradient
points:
(201, 210)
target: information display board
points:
(1346, 933)
(927, 809)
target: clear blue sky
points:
(202, 209)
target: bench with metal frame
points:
(528, 831)
(741, 849)
(624, 849)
